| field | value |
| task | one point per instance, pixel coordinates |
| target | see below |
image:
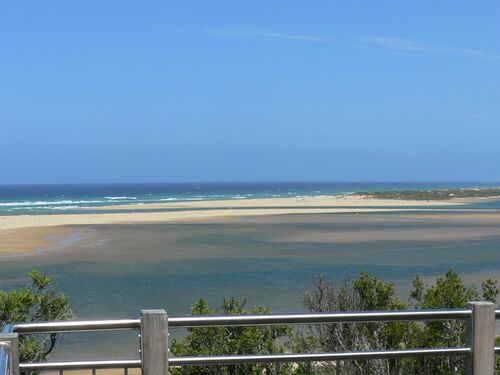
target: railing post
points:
(154, 342)
(481, 339)
(13, 340)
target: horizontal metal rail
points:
(81, 365)
(248, 359)
(317, 357)
(338, 317)
(240, 320)
(75, 326)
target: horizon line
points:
(255, 182)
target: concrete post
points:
(154, 342)
(481, 339)
(13, 352)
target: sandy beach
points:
(21, 234)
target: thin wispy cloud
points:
(410, 46)
(265, 35)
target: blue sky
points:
(110, 91)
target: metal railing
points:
(154, 358)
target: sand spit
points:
(333, 201)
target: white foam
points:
(45, 203)
(120, 198)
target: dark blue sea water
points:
(66, 198)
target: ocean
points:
(70, 198)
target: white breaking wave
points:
(120, 198)
(63, 207)
(45, 203)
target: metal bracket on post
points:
(481, 339)
(154, 342)
(13, 351)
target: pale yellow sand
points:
(335, 201)
(24, 240)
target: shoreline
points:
(28, 234)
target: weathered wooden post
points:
(154, 342)
(481, 339)
(13, 351)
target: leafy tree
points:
(364, 293)
(369, 293)
(230, 340)
(37, 302)
(448, 292)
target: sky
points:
(159, 91)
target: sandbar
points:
(336, 201)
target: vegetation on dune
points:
(438, 194)
(40, 301)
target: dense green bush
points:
(369, 293)
(37, 302)
(230, 340)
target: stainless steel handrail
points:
(316, 357)
(81, 365)
(319, 318)
(242, 320)
(248, 359)
(75, 326)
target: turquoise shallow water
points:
(115, 270)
